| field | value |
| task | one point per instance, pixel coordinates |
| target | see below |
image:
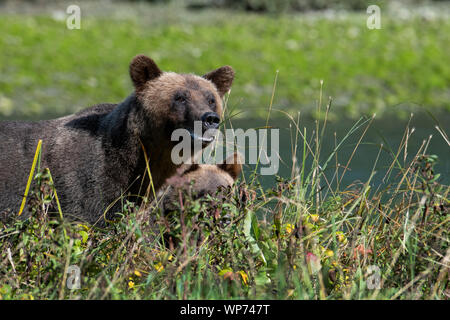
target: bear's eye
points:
(180, 98)
(211, 101)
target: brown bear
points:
(194, 182)
(199, 180)
(96, 156)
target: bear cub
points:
(195, 182)
(198, 180)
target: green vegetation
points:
(47, 70)
(307, 237)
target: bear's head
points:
(196, 182)
(175, 101)
(199, 180)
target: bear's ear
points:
(222, 78)
(232, 165)
(143, 69)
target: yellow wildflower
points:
(83, 226)
(290, 292)
(329, 253)
(244, 277)
(289, 228)
(159, 267)
(341, 237)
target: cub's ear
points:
(143, 69)
(232, 165)
(222, 78)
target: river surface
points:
(387, 131)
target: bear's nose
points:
(210, 120)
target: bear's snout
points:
(210, 120)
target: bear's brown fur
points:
(194, 182)
(197, 181)
(96, 156)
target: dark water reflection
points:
(388, 131)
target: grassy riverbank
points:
(47, 69)
(307, 237)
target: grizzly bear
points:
(194, 182)
(199, 180)
(96, 156)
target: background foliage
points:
(47, 70)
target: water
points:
(387, 131)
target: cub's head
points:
(175, 101)
(200, 180)
(195, 181)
